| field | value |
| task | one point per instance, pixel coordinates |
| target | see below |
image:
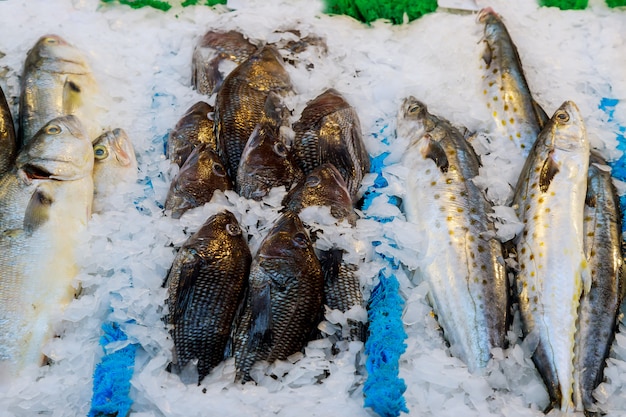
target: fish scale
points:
(549, 199)
(463, 261)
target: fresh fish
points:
(8, 141)
(199, 177)
(241, 101)
(517, 115)
(599, 308)
(56, 81)
(206, 285)
(329, 130)
(114, 164)
(45, 203)
(550, 199)
(285, 297)
(194, 128)
(463, 263)
(211, 56)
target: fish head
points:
(412, 118)
(220, 227)
(114, 159)
(60, 150)
(286, 241)
(266, 71)
(52, 53)
(567, 128)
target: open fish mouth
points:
(36, 172)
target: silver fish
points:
(463, 263)
(45, 202)
(550, 199)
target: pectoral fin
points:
(548, 171)
(261, 305)
(487, 55)
(434, 151)
(541, 115)
(38, 210)
(72, 98)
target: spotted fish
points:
(550, 200)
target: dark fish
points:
(210, 55)
(241, 101)
(599, 308)
(285, 297)
(206, 285)
(329, 130)
(194, 128)
(198, 178)
(8, 141)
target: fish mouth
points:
(36, 172)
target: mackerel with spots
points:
(517, 115)
(550, 200)
(463, 263)
(599, 307)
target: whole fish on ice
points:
(45, 203)
(56, 81)
(206, 285)
(194, 128)
(550, 201)
(463, 263)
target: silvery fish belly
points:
(463, 263)
(56, 81)
(549, 199)
(517, 116)
(599, 308)
(45, 202)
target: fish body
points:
(206, 285)
(194, 128)
(329, 130)
(212, 53)
(198, 178)
(549, 199)
(45, 202)
(517, 116)
(463, 262)
(285, 297)
(8, 141)
(599, 307)
(56, 81)
(241, 101)
(114, 164)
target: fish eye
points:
(299, 239)
(562, 116)
(100, 152)
(51, 41)
(414, 108)
(53, 130)
(280, 149)
(312, 181)
(218, 169)
(233, 229)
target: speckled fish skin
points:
(194, 128)
(550, 199)
(599, 308)
(516, 114)
(206, 285)
(45, 203)
(241, 100)
(329, 130)
(56, 81)
(8, 140)
(114, 164)
(285, 298)
(200, 176)
(207, 64)
(463, 263)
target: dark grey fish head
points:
(201, 174)
(193, 128)
(324, 186)
(219, 231)
(330, 101)
(264, 71)
(287, 240)
(265, 163)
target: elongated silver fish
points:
(211, 56)
(550, 199)
(241, 101)
(45, 202)
(56, 81)
(517, 115)
(463, 262)
(194, 128)
(206, 285)
(599, 307)
(8, 140)
(329, 130)
(285, 298)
